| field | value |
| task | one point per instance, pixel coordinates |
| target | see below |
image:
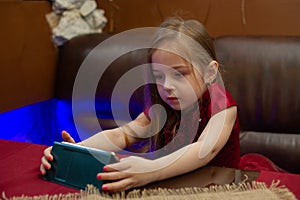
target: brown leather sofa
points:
(261, 72)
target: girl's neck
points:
(193, 108)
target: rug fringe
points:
(274, 191)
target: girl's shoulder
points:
(217, 98)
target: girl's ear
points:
(211, 72)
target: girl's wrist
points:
(158, 171)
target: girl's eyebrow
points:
(180, 67)
(175, 67)
(155, 70)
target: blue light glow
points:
(42, 123)
(39, 123)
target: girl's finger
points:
(45, 163)
(119, 166)
(47, 154)
(117, 186)
(112, 176)
(67, 137)
(42, 169)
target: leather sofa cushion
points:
(263, 75)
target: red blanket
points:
(19, 171)
(257, 162)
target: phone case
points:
(76, 166)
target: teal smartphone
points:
(77, 166)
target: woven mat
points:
(245, 191)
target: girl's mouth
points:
(172, 99)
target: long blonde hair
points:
(171, 33)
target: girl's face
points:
(178, 84)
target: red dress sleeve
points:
(229, 156)
(216, 99)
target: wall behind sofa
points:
(221, 17)
(28, 57)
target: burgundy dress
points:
(229, 156)
(214, 100)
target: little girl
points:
(190, 119)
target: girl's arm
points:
(212, 140)
(109, 140)
(119, 138)
(134, 172)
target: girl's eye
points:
(158, 76)
(179, 74)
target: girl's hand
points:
(130, 172)
(47, 158)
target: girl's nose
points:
(168, 84)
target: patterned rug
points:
(245, 191)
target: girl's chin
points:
(183, 108)
(175, 106)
